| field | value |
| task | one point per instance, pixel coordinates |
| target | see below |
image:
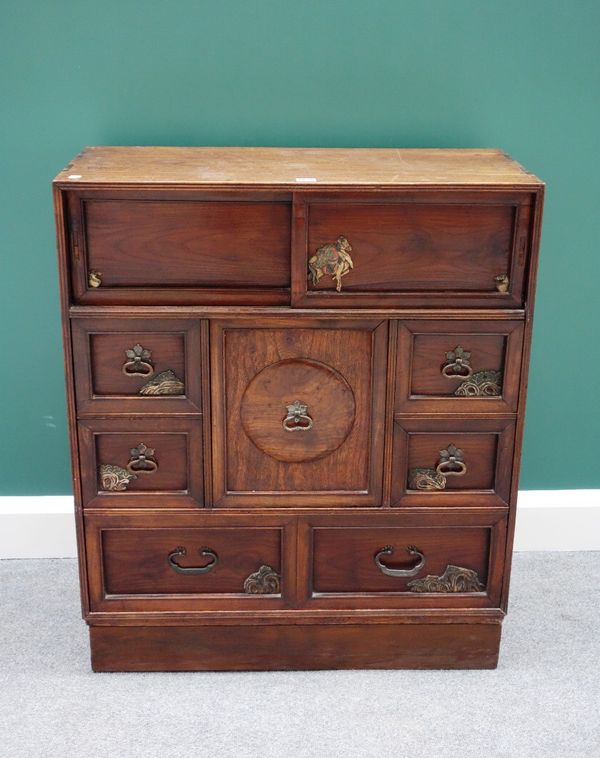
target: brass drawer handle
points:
(333, 259)
(457, 364)
(138, 362)
(411, 550)
(142, 460)
(297, 419)
(451, 463)
(181, 551)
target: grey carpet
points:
(543, 700)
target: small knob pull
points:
(94, 279)
(502, 282)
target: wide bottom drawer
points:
(439, 559)
(159, 561)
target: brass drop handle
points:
(297, 419)
(411, 550)
(451, 462)
(457, 364)
(138, 362)
(206, 552)
(142, 460)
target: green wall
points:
(523, 76)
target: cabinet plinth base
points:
(295, 647)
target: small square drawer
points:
(186, 562)
(451, 560)
(443, 462)
(137, 365)
(426, 248)
(141, 462)
(458, 366)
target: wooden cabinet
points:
(296, 386)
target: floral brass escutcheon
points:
(333, 259)
(265, 581)
(115, 478)
(454, 579)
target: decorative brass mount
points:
(451, 463)
(165, 383)
(487, 383)
(333, 259)
(114, 478)
(454, 579)
(265, 581)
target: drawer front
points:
(137, 365)
(458, 366)
(437, 561)
(154, 562)
(141, 462)
(452, 462)
(143, 248)
(298, 412)
(409, 250)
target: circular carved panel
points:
(328, 403)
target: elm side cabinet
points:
(296, 385)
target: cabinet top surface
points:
(295, 167)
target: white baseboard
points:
(44, 527)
